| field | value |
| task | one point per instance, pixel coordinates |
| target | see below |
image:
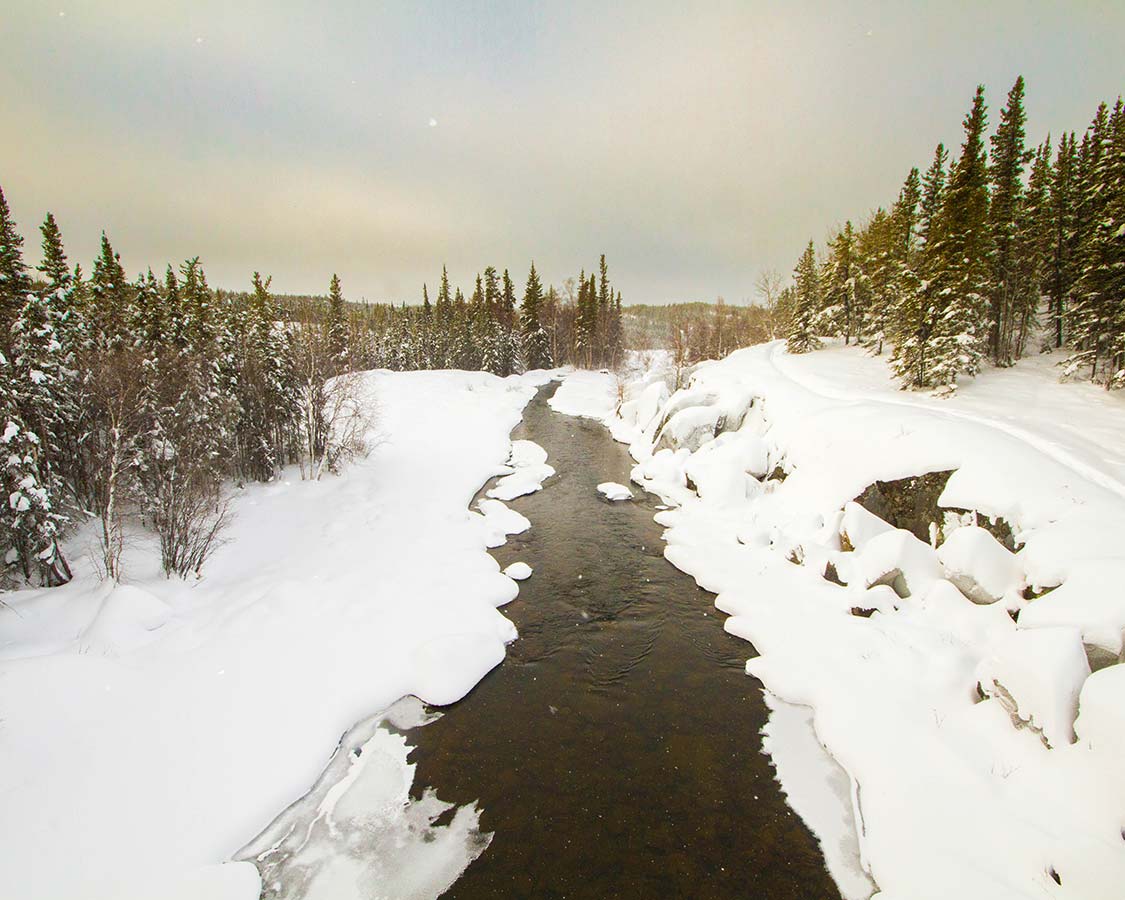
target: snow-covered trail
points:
(150, 730)
(1062, 440)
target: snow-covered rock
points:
(860, 526)
(519, 571)
(642, 411)
(1092, 599)
(1101, 712)
(689, 428)
(899, 559)
(1037, 675)
(982, 568)
(611, 490)
(724, 470)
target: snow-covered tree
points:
(800, 337)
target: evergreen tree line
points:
(579, 325)
(980, 258)
(133, 399)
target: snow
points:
(818, 790)
(949, 794)
(611, 490)
(152, 729)
(1101, 723)
(1037, 675)
(980, 566)
(1092, 598)
(585, 393)
(520, 571)
(358, 826)
(528, 470)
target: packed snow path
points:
(615, 752)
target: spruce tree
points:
(1006, 173)
(963, 250)
(55, 269)
(337, 324)
(14, 283)
(111, 304)
(806, 304)
(1061, 273)
(536, 345)
(838, 284)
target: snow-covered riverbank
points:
(1012, 790)
(149, 731)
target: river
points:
(616, 751)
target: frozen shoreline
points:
(953, 797)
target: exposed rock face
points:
(909, 503)
(912, 503)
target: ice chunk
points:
(981, 567)
(1037, 674)
(611, 490)
(520, 571)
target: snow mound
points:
(690, 428)
(982, 568)
(529, 469)
(1101, 712)
(611, 490)
(588, 394)
(724, 471)
(642, 411)
(499, 521)
(897, 558)
(126, 620)
(518, 571)
(1092, 599)
(1037, 675)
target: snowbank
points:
(889, 641)
(151, 730)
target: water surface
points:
(616, 751)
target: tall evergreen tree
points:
(1061, 274)
(337, 322)
(964, 250)
(1008, 160)
(536, 345)
(14, 283)
(55, 269)
(806, 303)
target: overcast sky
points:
(694, 146)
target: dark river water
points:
(615, 752)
